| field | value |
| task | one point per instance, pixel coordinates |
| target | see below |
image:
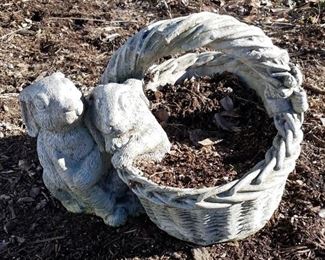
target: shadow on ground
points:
(35, 225)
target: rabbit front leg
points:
(70, 202)
(89, 171)
(105, 206)
(89, 183)
(90, 191)
(151, 143)
(55, 184)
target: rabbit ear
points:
(32, 127)
(137, 85)
(91, 125)
(95, 133)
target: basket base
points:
(209, 226)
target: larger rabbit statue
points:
(75, 171)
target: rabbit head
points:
(118, 108)
(52, 103)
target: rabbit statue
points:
(121, 122)
(74, 169)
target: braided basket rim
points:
(287, 122)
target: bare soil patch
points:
(218, 130)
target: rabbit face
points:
(53, 104)
(110, 119)
(58, 109)
(118, 107)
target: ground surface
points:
(78, 38)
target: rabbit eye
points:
(98, 103)
(41, 102)
(125, 102)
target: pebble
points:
(20, 240)
(3, 245)
(6, 126)
(323, 120)
(300, 182)
(24, 165)
(177, 255)
(34, 192)
(4, 197)
(201, 254)
(321, 213)
(41, 204)
(288, 3)
(9, 226)
(5, 108)
(266, 2)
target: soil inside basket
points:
(218, 128)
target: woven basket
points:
(241, 207)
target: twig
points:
(130, 231)
(318, 141)
(156, 173)
(47, 239)
(13, 32)
(89, 19)
(8, 95)
(252, 102)
(280, 24)
(315, 89)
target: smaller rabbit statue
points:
(122, 124)
(75, 171)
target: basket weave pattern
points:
(241, 207)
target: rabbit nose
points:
(113, 127)
(79, 109)
(69, 107)
(74, 106)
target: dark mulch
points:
(218, 130)
(78, 38)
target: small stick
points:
(154, 174)
(13, 32)
(252, 102)
(47, 239)
(315, 89)
(89, 19)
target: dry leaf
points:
(162, 115)
(322, 119)
(227, 103)
(24, 165)
(231, 113)
(221, 122)
(209, 141)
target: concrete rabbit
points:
(75, 171)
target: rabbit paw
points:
(116, 219)
(73, 207)
(120, 160)
(133, 205)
